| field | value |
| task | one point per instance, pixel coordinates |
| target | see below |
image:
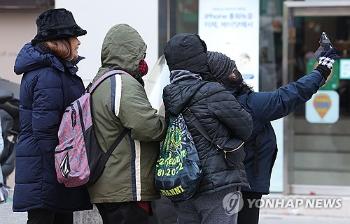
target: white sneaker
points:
(3, 194)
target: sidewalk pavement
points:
(342, 212)
(267, 216)
(302, 215)
(9, 217)
(293, 219)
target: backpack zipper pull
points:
(74, 117)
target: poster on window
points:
(232, 27)
(323, 107)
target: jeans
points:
(212, 208)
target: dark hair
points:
(240, 87)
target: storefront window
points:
(317, 153)
(320, 150)
(184, 19)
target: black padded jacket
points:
(226, 122)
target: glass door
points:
(317, 136)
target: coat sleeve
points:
(270, 106)
(137, 114)
(47, 109)
(228, 111)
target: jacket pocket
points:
(234, 156)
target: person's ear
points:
(233, 76)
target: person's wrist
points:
(324, 70)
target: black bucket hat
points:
(56, 24)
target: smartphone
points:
(325, 45)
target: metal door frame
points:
(290, 10)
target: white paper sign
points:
(323, 107)
(155, 82)
(232, 27)
(276, 183)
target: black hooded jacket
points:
(221, 116)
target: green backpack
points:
(178, 171)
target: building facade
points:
(314, 141)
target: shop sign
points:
(232, 27)
(323, 107)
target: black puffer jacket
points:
(221, 116)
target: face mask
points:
(143, 67)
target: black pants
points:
(164, 211)
(249, 214)
(122, 213)
(43, 216)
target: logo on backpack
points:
(64, 166)
(79, 159)
(178, 167)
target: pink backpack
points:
(79, 159)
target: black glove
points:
(325, 63)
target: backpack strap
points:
(115, 144)
(105, 76)
(199, 127)
(91, 89)
(102, 162)
(187, 112)
(205, 134)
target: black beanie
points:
(220, 65)
(187, 51)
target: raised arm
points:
(279, 103)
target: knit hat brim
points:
(220, 65)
